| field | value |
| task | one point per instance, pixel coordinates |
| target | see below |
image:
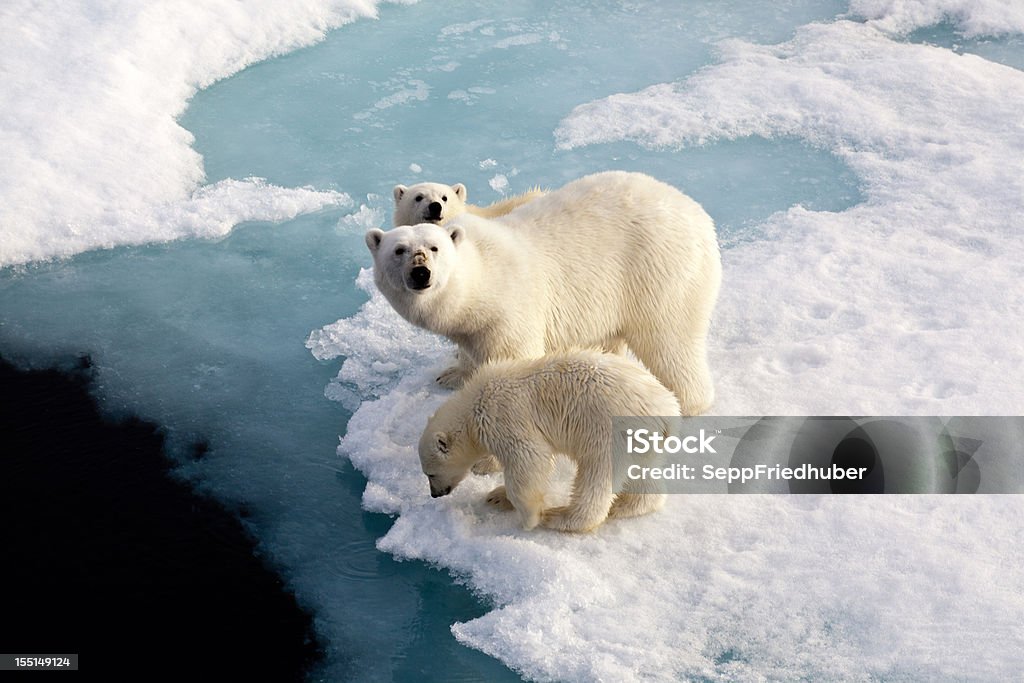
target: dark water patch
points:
(106, 555)
(209, 345)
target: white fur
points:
(412, 204)
(523, 412)
(613, 257)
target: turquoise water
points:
(207, 338)
(1008, 50)
(323, 116)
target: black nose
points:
(420, 276)
(434, 210)
(438, 494)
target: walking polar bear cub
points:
(612, 257)
(517, 411)
(438, 203)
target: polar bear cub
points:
(610, 258)
(523, 412)
(438, 203)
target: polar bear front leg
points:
(507, 341)
(456, 375)
(487, 465)
(500, 341)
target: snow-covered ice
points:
(89, 96)
(712, 587)
(971, 17)
(909, 302)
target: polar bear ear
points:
(460, 191)
(399, 191)
(456, 234)
(441, 440)
(373, 238)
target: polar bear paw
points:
(488, 465)
(565, 519)
(556, 518)
(452, 378)
(499, 499)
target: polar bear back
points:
(570, 398)
(610, 245)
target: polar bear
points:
(612, 257)
(524, 412)
(438, 203)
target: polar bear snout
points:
(419, 277)
(434, 211)
(438, 493)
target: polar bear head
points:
(413, 260)
(428, 203)
(447, 452)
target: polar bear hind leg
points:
(675, 350)
(635, 504)
(681, 365)
(591, 498)
(638, 497)
(527, 475)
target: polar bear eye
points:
(434, 249)
(444, 198)
(419, 198)
(399, 251)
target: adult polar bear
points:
(612, 257)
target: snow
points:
(89, 94)
(972, 17)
